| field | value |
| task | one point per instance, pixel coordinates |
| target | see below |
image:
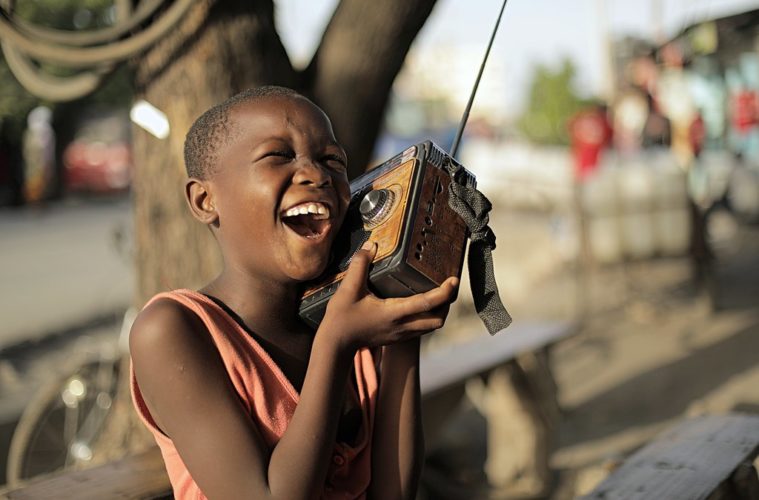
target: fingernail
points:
(368, 245)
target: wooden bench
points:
(141, 476)
(508, 379)
(452, 365)
(444, 373)
(708, 457)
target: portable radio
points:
(402, 206)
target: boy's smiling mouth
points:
(310, 219)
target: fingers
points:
(421, 324)
(427, 301)
(426, 321)
(355, 278)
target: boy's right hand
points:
(356, 318)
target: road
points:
(63, 266)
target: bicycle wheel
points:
(60, 426)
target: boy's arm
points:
(398, 441)
(188, 393)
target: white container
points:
(636, 189)
(670, 188)
(600, 205)
(638, 239)
(599, 193)
(635, 184)
(604, 239)
(672, 220)
(743, 193)
(673, 231)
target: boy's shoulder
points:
(175, 364)
(165, 325)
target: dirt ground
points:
(654, 347)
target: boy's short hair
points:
(212, 130)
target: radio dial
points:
(375, 206)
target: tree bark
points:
(221, 48)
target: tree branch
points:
(353, 70)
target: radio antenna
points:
(460, 131)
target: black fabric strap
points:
(473, 207)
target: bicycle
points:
(80, 418)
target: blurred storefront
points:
(721, 65)
(701, 95)
(685, 122)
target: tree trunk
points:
(221, 48)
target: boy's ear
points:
(200, 198)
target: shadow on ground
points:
(664, 392)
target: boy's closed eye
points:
(334, 161)
(285, 154)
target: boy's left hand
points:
(358, 318)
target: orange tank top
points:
(270, 400)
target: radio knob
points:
(375, 205)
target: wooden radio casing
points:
(421, 240)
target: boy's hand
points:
(357, 318)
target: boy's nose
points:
(310, 172)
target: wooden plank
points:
(688, 461)
(140, 476)
(455, 363)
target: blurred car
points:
(97, 166)
(99, 159)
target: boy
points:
(242, 397)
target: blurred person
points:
(243, 398)
(10, 174)
(744, 121)
(590, 133)
(631, 112)
(674, 97)
(699, 202)
(697, 134)
(39, 154)
(657, 129)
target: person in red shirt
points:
(590, 132)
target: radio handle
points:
(473, 208)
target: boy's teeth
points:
(317, 209)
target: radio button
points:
(373, 203)
(376, 206)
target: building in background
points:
(720, 63)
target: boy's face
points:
(280, 189)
